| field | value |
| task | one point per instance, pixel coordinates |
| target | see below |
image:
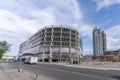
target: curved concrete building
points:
(56, 42)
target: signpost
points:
(7, 56)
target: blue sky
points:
(19, 19)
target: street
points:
(59, 72)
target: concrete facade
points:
(55, 42)
(99, 42)
(112, 52)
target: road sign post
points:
(7, 57)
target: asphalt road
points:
(59, 72)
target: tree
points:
(4, 47)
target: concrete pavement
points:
(7, 72)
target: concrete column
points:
(70, 47)
(60, 43)
(51, 51)
(43, 54)
(76, 44)
(39, 49)
(44, 46)
(50, 56)
(50, 47)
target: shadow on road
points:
(116, 77)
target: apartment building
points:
(99, 42)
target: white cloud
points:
(113, 37)
(86, 30)
(105, 3)
(87, 51)
(20, 19)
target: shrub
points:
(75, 62)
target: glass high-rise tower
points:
(99, 42)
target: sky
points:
(20, 19)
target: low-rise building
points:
(112, 55)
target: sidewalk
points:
(98, 65)
(7, 72)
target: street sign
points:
(7, 56)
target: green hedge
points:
(75, 62)
(115, 60)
